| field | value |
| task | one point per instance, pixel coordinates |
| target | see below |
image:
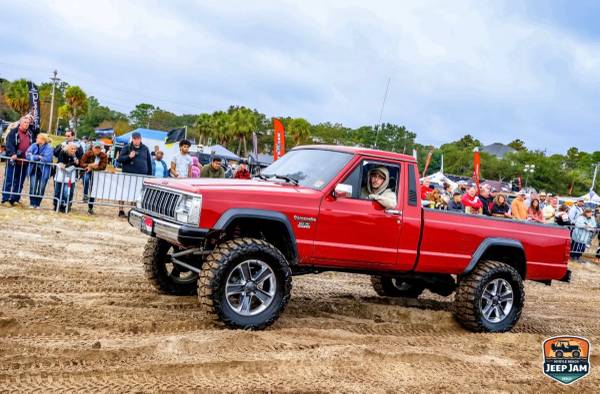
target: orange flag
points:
(278, 139)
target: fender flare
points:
(490, 242)
(249, 213)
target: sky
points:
(498, 70)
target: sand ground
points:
(76, 313)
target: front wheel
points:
(490, 298)
(166, 276)
(245, 283)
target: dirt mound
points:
(77, 314)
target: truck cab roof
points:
(360, 151)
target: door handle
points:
(393, 212)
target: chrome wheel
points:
(497, 300)
(250, 287)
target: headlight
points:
(188, 210)
(138, 200)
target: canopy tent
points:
(591, 197)
(262, 160)
(152, 138)
(440, 179)
(221, 151)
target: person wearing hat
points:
(213, 169)
(376, 188)
(93, 160)
(242, 171)
(542, 199)
(518, 209)
(576, 210)
(135, 158)
(582, 234)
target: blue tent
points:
(222, 152)
(148, 134)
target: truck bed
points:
(450, 240)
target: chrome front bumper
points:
(162, 229)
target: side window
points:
(359, 177)
(412, 186)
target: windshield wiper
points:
(261, 176)
(287, 179)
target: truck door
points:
(356, 232)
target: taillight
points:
(567, 251)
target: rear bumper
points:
(567, 277)
(175, 233)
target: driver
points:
(377, 188)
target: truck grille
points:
(160, 202)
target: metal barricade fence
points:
(66, 187)
(585, 243)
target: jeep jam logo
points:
(566, 359)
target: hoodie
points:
(382, 194)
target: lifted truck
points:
(237, 243)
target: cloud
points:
(483, 68)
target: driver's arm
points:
(387, 199)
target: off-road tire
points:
(385, 287)
(216, 269)
(467, 309)
(155, 254)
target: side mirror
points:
(342, 190)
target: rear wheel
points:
(245, 283)
(395, 287)
(490, 298)
(576, 353)
(166, 276)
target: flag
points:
(427, 161)
(175, 135)
(278, 139)
(476, 167)
(105, 133)
(255, 146)
(34, 104)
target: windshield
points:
(308, 167)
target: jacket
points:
(70, 163)
(242, 174)
(474, 203)
(382, 195)
(164, 165)
(455, 206)
(90, 158)
(486, 205)
(582, 232)
(536, 216)
(40, 153)
(518, 209)
(63, 145)
(140, 164)
(500, 209)
(12, 142)
(209, 172)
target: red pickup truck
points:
(237, 243)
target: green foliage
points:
(17, 96)
(517, 145)
(141, 114)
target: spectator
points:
(65, 178)
(455, 204)
(436, 200)
(447, 193)
(39, 173)
(2, 150)
(462, 187)
(69, 138)
(500, 207)
(471, 202)
(534, 213)
(196, 167)
(181, 163)
(543, 200)
(582, 234)
(159, 166)
(213, 169)
(84, 144)
(93, 160)
(486, 200)
(155, 151)
(517, 207)
(549, 211)
(576, 210)
(242, 171)
(135, 158)
(425, 189)
(18, 141)
(562, 216)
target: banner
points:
(105, 133)
(427, 161)
(476, 167)
(175, 135)
(34, 105)
(278, 139)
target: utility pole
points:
(594, 178)
(387, 89)
(54, 79)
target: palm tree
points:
(17, 96)
(77, 103)
(242, 122)
(219, 122)
(299, 130)
(203, 123)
